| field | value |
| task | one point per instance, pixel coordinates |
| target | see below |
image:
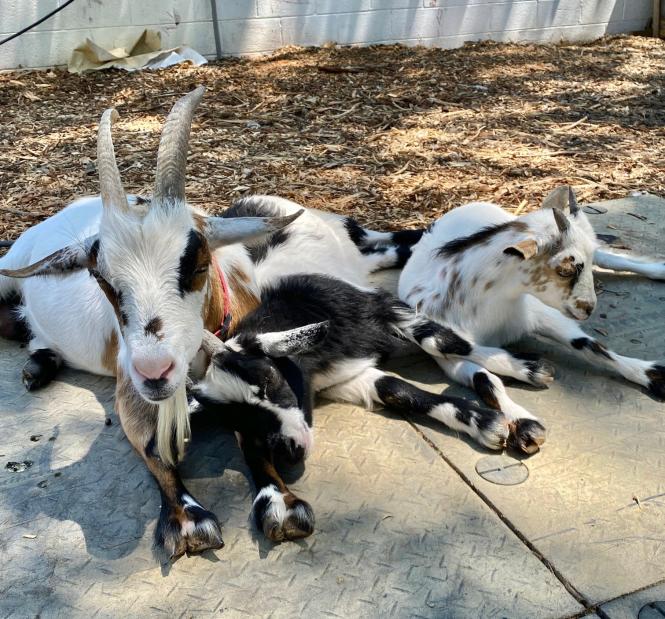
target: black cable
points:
(31, 26)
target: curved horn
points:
(228, 230)
(113, 195)
(172, 153)
(572, 202)
(561, 220)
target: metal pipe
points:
(215, 25)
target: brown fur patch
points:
(489, 284)
(203, 260)
(110, 354)
(154, 326)
(243, 300)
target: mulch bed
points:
(394, 136)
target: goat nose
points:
(585, 306)
(153, 368)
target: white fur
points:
(223, 386)
(277, 511)
(497, 300)
(173, 418)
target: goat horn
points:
(110, 184)
(561, 220)
(572, 202)
(172, 153)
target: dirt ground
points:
(394, 136)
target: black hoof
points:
(282, 517)
(656, 376)
(186, 529)
(40, 369)
(527, 435)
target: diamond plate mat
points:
(398, 533)
(629, 607)
(594, 502)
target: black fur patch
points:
(592, 345)
(40, 369)
(485, 389)
(371, 249)
(403, 255)
(259, 510)
(656, 376)
(355, 231)
(12, 325)
(447, 341)
(482, 237)
(188, 262)
(407, 237)
(259, 252)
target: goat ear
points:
(62, 262)
(524, 249)
(558, 198)
(294, 341)
(228, 230)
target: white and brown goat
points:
(495, 278)
(136, 281)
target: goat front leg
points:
(527, 433)
(276, 511)
(551, 323)
(487, 427)
(620, 262)
(184, 525)
(441, 341)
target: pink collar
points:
(226, 313)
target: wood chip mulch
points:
(394, 136)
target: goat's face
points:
(153, 268)
(256, 369)
(152, 259)
(560, 273)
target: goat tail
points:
(366, 238)
(173, 429)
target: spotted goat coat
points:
(495, 278)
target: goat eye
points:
(201, 270)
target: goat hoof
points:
(656, 386)
(540, 372)
(186, 529)
(281, 516)
(527, 436)
(40, 369)
(493, 428)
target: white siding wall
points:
(257, 26)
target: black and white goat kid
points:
(318, 334)
(496, 278)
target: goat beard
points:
(173, 429)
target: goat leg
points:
(184, 525)
(276, 511)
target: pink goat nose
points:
(153, 368)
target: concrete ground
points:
(405, 525)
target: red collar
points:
(226, 311)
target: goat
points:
(495, 278)
(135, 281)
(318, 334)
